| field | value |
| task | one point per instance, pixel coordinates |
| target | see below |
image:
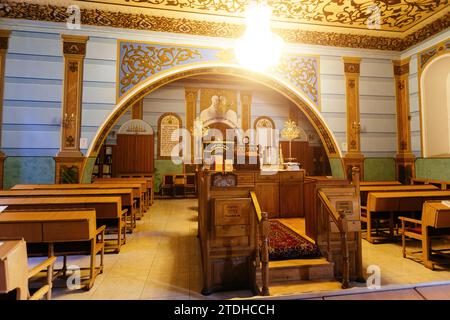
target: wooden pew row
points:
(108, 212)
(365, 190)
(58, 233)
(443, 185)
(394, 203)
(14, 273)
(147, 184)
(148, 176)
(379, 183)
(138, 191)
(126, 196)
(435, 223)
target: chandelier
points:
(259, 48)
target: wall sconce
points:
(68, 120)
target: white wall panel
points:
(30, 139)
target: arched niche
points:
(180, 72)
(435, 107)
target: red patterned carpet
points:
(284, 243)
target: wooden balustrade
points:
(338, 217)
(261, 244)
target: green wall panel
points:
(163, 167)
(379, 169)
(337, 169)
(28, 170)
(433, 168)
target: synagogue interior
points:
(227, 149)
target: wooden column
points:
(246, 103)
(4, 39)
(191, 95)
(137, 110)
(405, 157)
(69, 159)
(353, 158)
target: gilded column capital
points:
(74, 45)
(191, 94)
(401, 67)
(352, 65)
(4, 39)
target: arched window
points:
(167, 124)
(435, 107)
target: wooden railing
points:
(338, 218)
(262, 245)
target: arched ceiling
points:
(371, 24)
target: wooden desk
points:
(138, 192)
(57, 227)
(436, 214)
(380, 183)
(108, 211)
(147, 184)
(435, 223)
(396, 202)
(444, 185)
(365, 190)
(126, 181)
(126, 196)
(14, 268)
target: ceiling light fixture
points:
(259, 48)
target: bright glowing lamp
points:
(259, 48)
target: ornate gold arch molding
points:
(140, 60)
(151, 84)
(424, 59)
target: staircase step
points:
(298, 269)
(303, 287)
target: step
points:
(304, 287)
(298, 269)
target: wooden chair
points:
(190, 186)
(167, 184)
(179, 183)
(15, 278)
(435, 223)
(45, 266)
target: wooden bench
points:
(443, 185)
(138, 192)
(435, 223)
(379, 183)
(147, 184)
(65, 232)
(108, 212)
(391, 203)
(126, 196)
(365, 190)
(150, 182)
(14, 273)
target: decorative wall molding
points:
(397, 15)
(302, 72)
(427, 55)
(117, 19)
(140, 60)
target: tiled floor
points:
(161, 260)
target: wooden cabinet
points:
(133, 154)
(291, 199)
(268, 198)
(291, 194)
